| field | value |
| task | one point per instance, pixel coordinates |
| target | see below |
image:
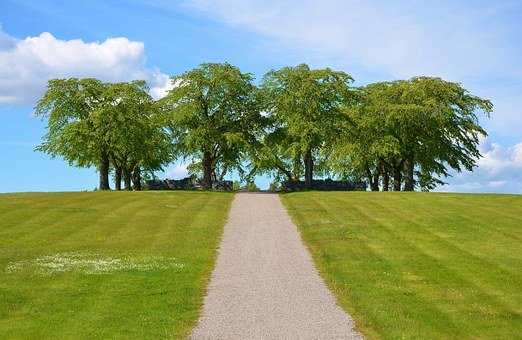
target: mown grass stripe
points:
(129, 303)
(394, 264)
(47, 219)
(373, 275)
(451, 248)
(468, 277)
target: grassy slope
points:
(419, 265)
(126, 304)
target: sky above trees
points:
(476, 43)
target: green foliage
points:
(213, 117)
(301, 121)
(71, 106)
(90, 123)
(274, 187)
(424, 122)
(251, 187)
(305, 111)
(134, 129)
(236, 186)
(306, 103)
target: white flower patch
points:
(89, 263)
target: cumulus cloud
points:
(162, 84)
(499, 170)
(27, 64)
(497, 159)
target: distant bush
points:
(236, 186)
(251, 186)
(275, 186)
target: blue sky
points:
(477, 43)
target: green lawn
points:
(419, 265)
(106, 264)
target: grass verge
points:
(106, 264)
(418, 265)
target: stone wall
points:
(187, 183)
(324, 184)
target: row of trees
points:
(298, 123)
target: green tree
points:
(413, 131)
(306, 108)
(91, 123)
(70, 106)
(214, 118)
(134, 129)
(275, 154)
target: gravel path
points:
(265, 285)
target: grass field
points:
(419, 265)
(106, 265)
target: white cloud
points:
(499, 170)
(26, 65)
(177, 171)
(401, 38)
(497, 159)
(162, 85)
(472, 43)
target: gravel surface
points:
(265, 285)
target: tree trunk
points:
(207, 170)
(369, 176)
(287, 173)
(104, 171)
(127, 179)
(296, 168)
(409, 182)
(309, 169)
(385, 175)
(397, 177)
(375, 181)
(223, 173)
(136, 178)
(385, 181)
(117, 178)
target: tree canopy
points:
(306, 110)
(412, 130)
(213, 118)
(91, 123)
(73, 107)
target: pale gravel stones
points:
(264, 285)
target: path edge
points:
(201, 306)
(356, 323)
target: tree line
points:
(296, 124)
